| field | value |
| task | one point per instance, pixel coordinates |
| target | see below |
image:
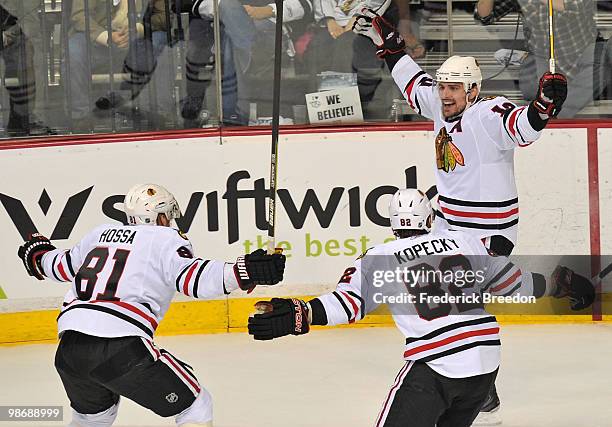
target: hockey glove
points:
(578, 288)
(552, 92)
(259, 268)
(383, 34)
(279, 317)
(31, 253)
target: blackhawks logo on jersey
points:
(447, 153)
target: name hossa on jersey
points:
(123, 279)
(474, 155)
(456, 340)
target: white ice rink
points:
(551, 375)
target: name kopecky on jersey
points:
(455, 339)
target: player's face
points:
(453, 99)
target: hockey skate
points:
(489, 413)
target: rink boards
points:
(334, 186)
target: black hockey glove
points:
(578, 288)
(259, 268)
(383, 34)
(552, 92)
(279, 317)
(31, 253)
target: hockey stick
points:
(551, 37)
(278, 47)
(603, 273)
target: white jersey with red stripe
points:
(474, 155)
(124, 277)
(455, 339)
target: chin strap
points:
(468, 103)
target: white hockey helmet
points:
(410, 209)
(460, 69)
(144, 202)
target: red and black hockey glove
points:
(383, 34)
(259, 268)
(31, 253)
(279, 317)
(552, 92)
(579, 289)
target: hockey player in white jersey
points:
(475, 142)
(121, 282)
(475, 136)
(452, 350)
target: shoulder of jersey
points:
(177, 234)
(489, 100)
(473, 242)
(166, 233)
(374, 250)
(364, 253)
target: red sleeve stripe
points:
(512, 122)
(484, 215)
(450, 340)
(353, 304)
(69, 263)
(188, 278)
(410, 87)
(518, 128)
(507, 282)
(53, 268)
(62, 272)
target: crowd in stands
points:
(82, 66)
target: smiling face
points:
(453, 98)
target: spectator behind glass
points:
(101, 41)
(251, 26)
(578, 53)
(200, 62)
(17, 52)
(335, 47)
(141, 61)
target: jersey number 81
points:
(89, 273)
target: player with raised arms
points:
(475, 141)
(452, 350)
(121, 281)
(476, 136)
